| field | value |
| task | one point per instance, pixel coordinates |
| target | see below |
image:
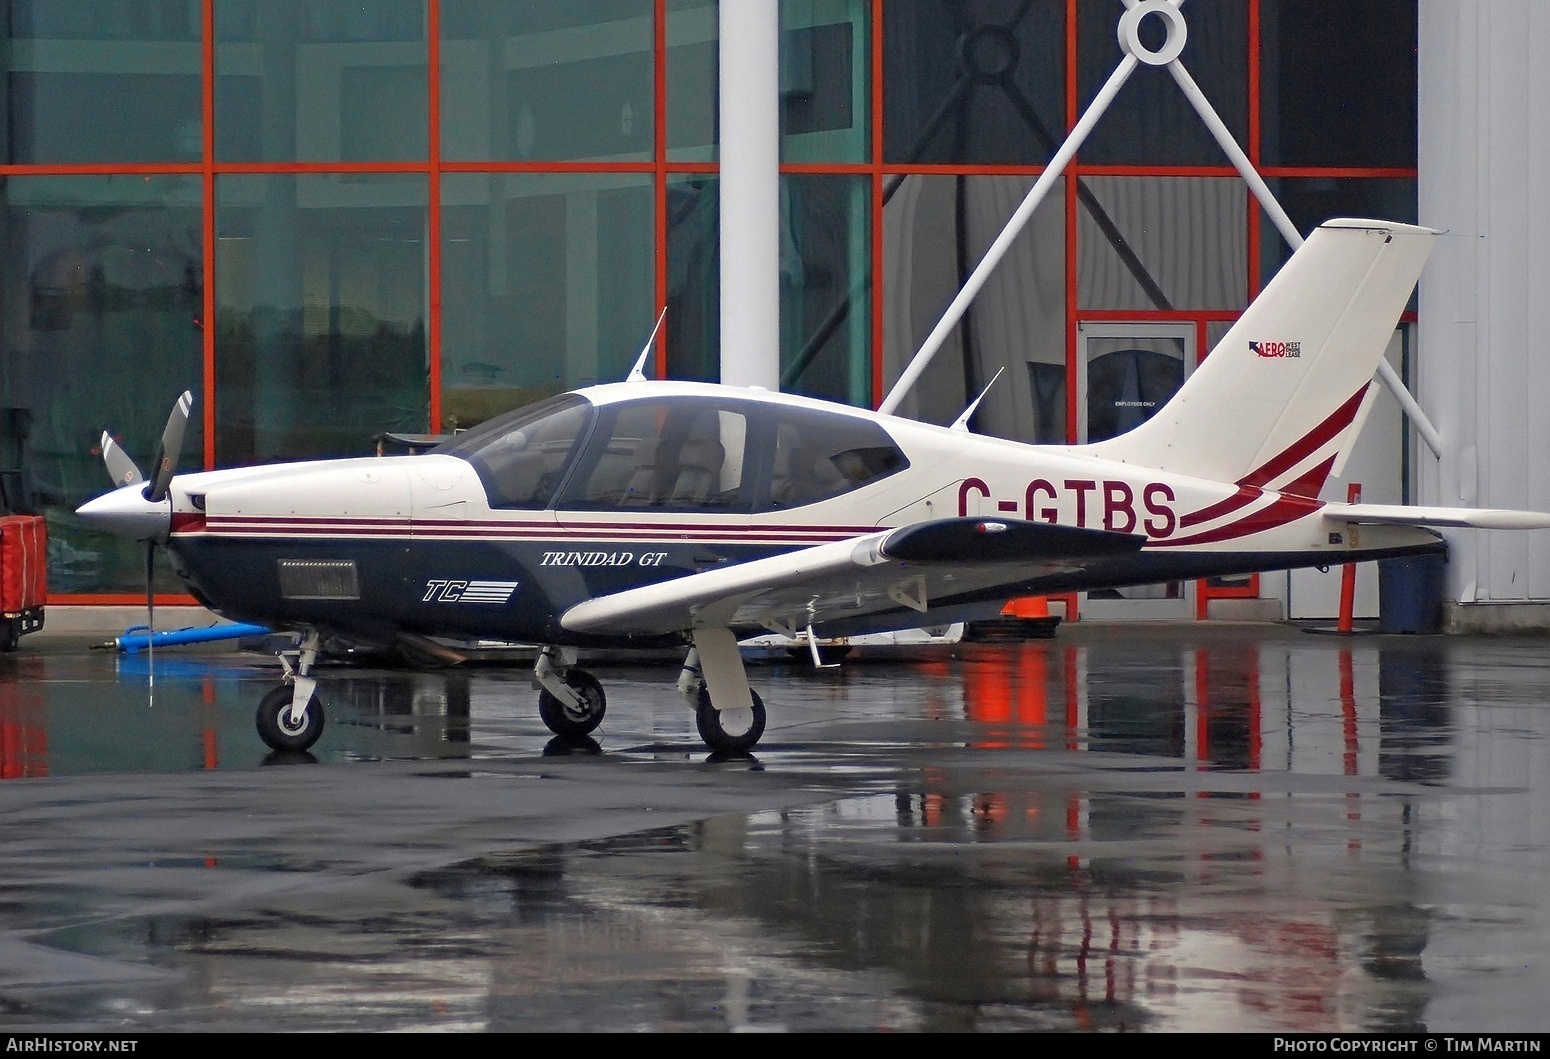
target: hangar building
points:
(332, 219)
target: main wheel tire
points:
(708, 720)
(10, 633)
(574, 722)
(275, 728)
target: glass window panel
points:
(103, 290)
(825, 288)
(1151, 122)
(693, 324)
(1215, 330)
(976, 82)
(320, 318)
(823, 80)
(1162, 243)
(1310, 201)
(665, 454)
(65, 58)
(547, 285)
(936, 231)
(693, 40)
(818, 456)
(320, 81)
(1128, 379)
(825, 291)
(544, 81)
(1338, 82)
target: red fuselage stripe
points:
(1246, 494)
(1284, 510)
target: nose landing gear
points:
(290, 718)
(570, 701)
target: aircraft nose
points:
(127, 513)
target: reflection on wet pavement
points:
(1181, 830)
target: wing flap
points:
(1406, 515)
(909, 567)
(981, 540)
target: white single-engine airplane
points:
(645, 514)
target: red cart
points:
(23, 577)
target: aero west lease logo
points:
(1276, 350)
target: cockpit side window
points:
(819, 456)
(522, 456)
(674, 454)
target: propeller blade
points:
(120, 467)
(171, 444)
(150, 621)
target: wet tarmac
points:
(1239, 828)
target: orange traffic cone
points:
(1027, 607)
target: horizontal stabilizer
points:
(1405, 515)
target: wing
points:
(1405, 515)
(914, 567)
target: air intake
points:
(319, 579)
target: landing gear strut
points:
(570, 701)
(728, 713)
(290, 717)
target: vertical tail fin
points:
(1283, 393)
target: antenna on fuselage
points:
(962, 422)
(638, 373)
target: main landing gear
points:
(290, 718)
(729, 714)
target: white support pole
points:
(1293, 237)
(750, 193)
(1135, 52)
(998, 249)
(1245, 168)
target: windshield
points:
(522, 456)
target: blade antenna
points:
(962, 422)
(638, 373)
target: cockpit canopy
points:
(674, 453)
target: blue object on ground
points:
(139, 637)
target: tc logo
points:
(450, 591)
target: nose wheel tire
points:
(714, 725)
(275, 727)
(574, 722)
